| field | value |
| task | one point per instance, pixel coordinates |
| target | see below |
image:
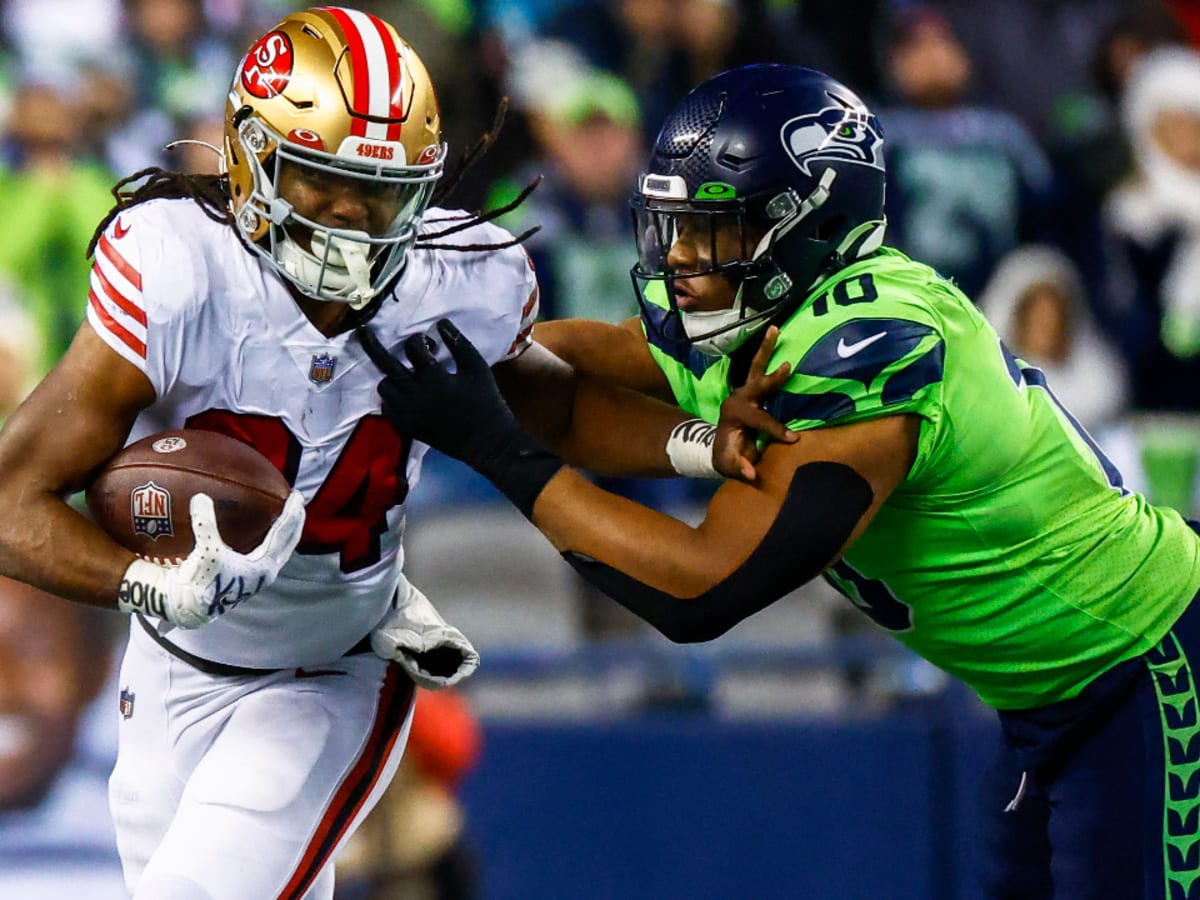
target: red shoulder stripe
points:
(132, 275)
(134, 311)
(531, 303)
(119, 331)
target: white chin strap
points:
(341, 269)
(724, 343)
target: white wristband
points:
(690, 449)
(147, 588)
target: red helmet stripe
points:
(392, 51)
(358, 59)
(376, 72)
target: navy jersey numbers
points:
(860, 289)
(1025, 376)
(348, 514)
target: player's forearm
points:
(76, 418)
(615, 431)
(47, 543)
(592, 423)
(657, 549)
(615, 354)
(695, 584)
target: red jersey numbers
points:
(348, 514)
(268, 66)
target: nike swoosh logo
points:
(845, 351)
(120, 229)
(317, 673)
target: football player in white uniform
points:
(252, 746)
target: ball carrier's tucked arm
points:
(76, 419)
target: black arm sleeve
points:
(823, 504)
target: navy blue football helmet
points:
(788, 155)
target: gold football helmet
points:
(336, 92)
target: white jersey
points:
(226, 347)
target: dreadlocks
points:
(447, 185)
(211, 192)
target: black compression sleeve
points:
(823, 505)
(520, 467)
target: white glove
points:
(213, 578)
(434, 654)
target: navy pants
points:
(1109, 807)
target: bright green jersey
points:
(1010, 556)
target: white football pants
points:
(244, 788)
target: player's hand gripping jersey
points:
(227, 349)
(976, 560)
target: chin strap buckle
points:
(353, 256)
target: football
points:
(141, 496)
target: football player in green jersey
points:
(935, 481)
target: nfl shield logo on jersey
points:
(321, 370)
(126, 704)
(150, 508)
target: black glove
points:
(462, 413)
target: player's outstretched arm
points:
(614, 354)
(610, 429)
(758, 542)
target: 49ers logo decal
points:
(268, 66)
(376, 151)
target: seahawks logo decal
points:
(835, 134)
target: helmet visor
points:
(679, 240)
(390, 205)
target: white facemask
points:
(700, 323)
(346, 268)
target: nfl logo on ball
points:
(150, 507)
(321, 370)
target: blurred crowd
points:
(1045, 154)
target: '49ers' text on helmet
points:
(338, 93)
(789, 159)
